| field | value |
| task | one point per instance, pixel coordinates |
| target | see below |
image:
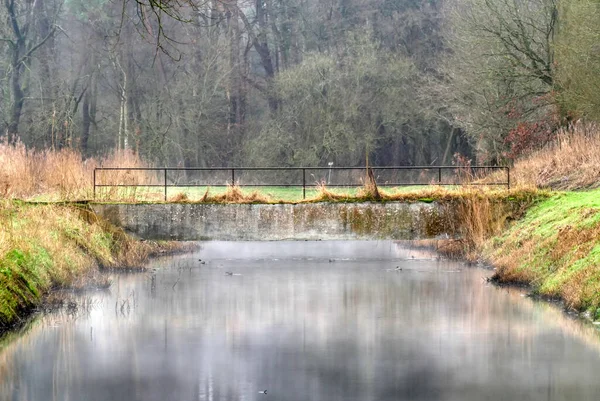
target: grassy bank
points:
(555, 249)
(239, 195)
(48, 246)
(271, 194)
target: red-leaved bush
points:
(530, 136)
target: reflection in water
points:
(306, 321)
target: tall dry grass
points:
(234, 194)
(480, 217)
(570, 162)
(61, 174)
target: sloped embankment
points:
(556, 249)
(45, 246)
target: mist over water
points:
(304, 321)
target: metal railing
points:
(462, 176)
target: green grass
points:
(556, 248)
(49, 245)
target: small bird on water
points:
(229, 273)
(262, 392)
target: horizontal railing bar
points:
(400, 184)
(294, 168)
(132, 185)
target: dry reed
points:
(570, 162)
(325, 195)
(181, 197)
(234, 194)
(63, 174)
(450, 248)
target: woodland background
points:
(197, 83)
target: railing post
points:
(232, 177)
(303, 183)
(439, 176)
(508, 178)
(165, 184)
(94, 183)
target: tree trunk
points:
(22, 48)
(261, 45)
(18, 99)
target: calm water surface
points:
(305, 321)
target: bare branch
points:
(37, 46)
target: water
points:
(304, 321)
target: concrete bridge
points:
(311, 221)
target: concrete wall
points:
(190, 222)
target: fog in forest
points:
(196, 83)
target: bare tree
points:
(225, 82)
(30, 27)
(501, 70)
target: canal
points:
(319, 321)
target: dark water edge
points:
(94, 280)
(306, 321)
